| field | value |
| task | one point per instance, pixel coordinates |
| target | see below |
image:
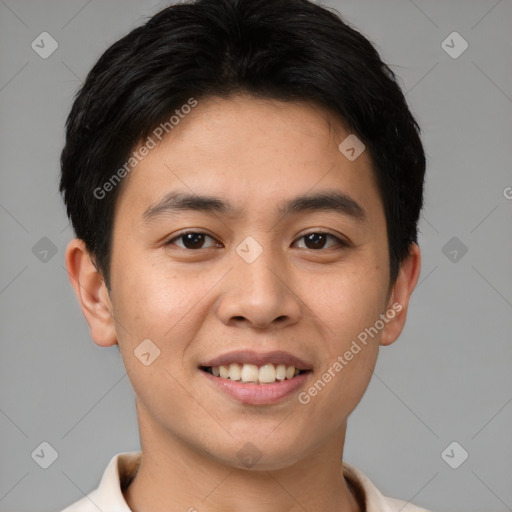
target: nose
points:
(259, 294)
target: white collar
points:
(108, 496)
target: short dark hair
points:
(289, 50)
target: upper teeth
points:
(265, 374)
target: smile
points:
(256, 378)
(253, 374)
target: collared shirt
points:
(108, 497)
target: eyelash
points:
(341, 243)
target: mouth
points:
(247, 373)
(256, 378)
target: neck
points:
(174, 476)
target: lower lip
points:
(257, 394)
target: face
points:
(247, 244)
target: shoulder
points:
(86, 504)
(396, 505)
(373, 499)
(108, 496)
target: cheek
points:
(164, 305)
(351, 301)
(347, 307)
(155, 316)
(148, 303)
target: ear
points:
(400, 294)
(92, 293)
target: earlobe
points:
(91, 292)
(400, 296)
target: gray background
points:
(448, 378)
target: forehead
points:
(251, 152)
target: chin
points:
(258, 454)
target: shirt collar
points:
(123, 466)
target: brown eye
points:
(317, 240)
(191, 240)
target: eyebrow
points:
(326, 201)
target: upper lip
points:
(258, 358)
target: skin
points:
(196, 304)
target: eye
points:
(316, 240)
(192, 240)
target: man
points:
(245, 180)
